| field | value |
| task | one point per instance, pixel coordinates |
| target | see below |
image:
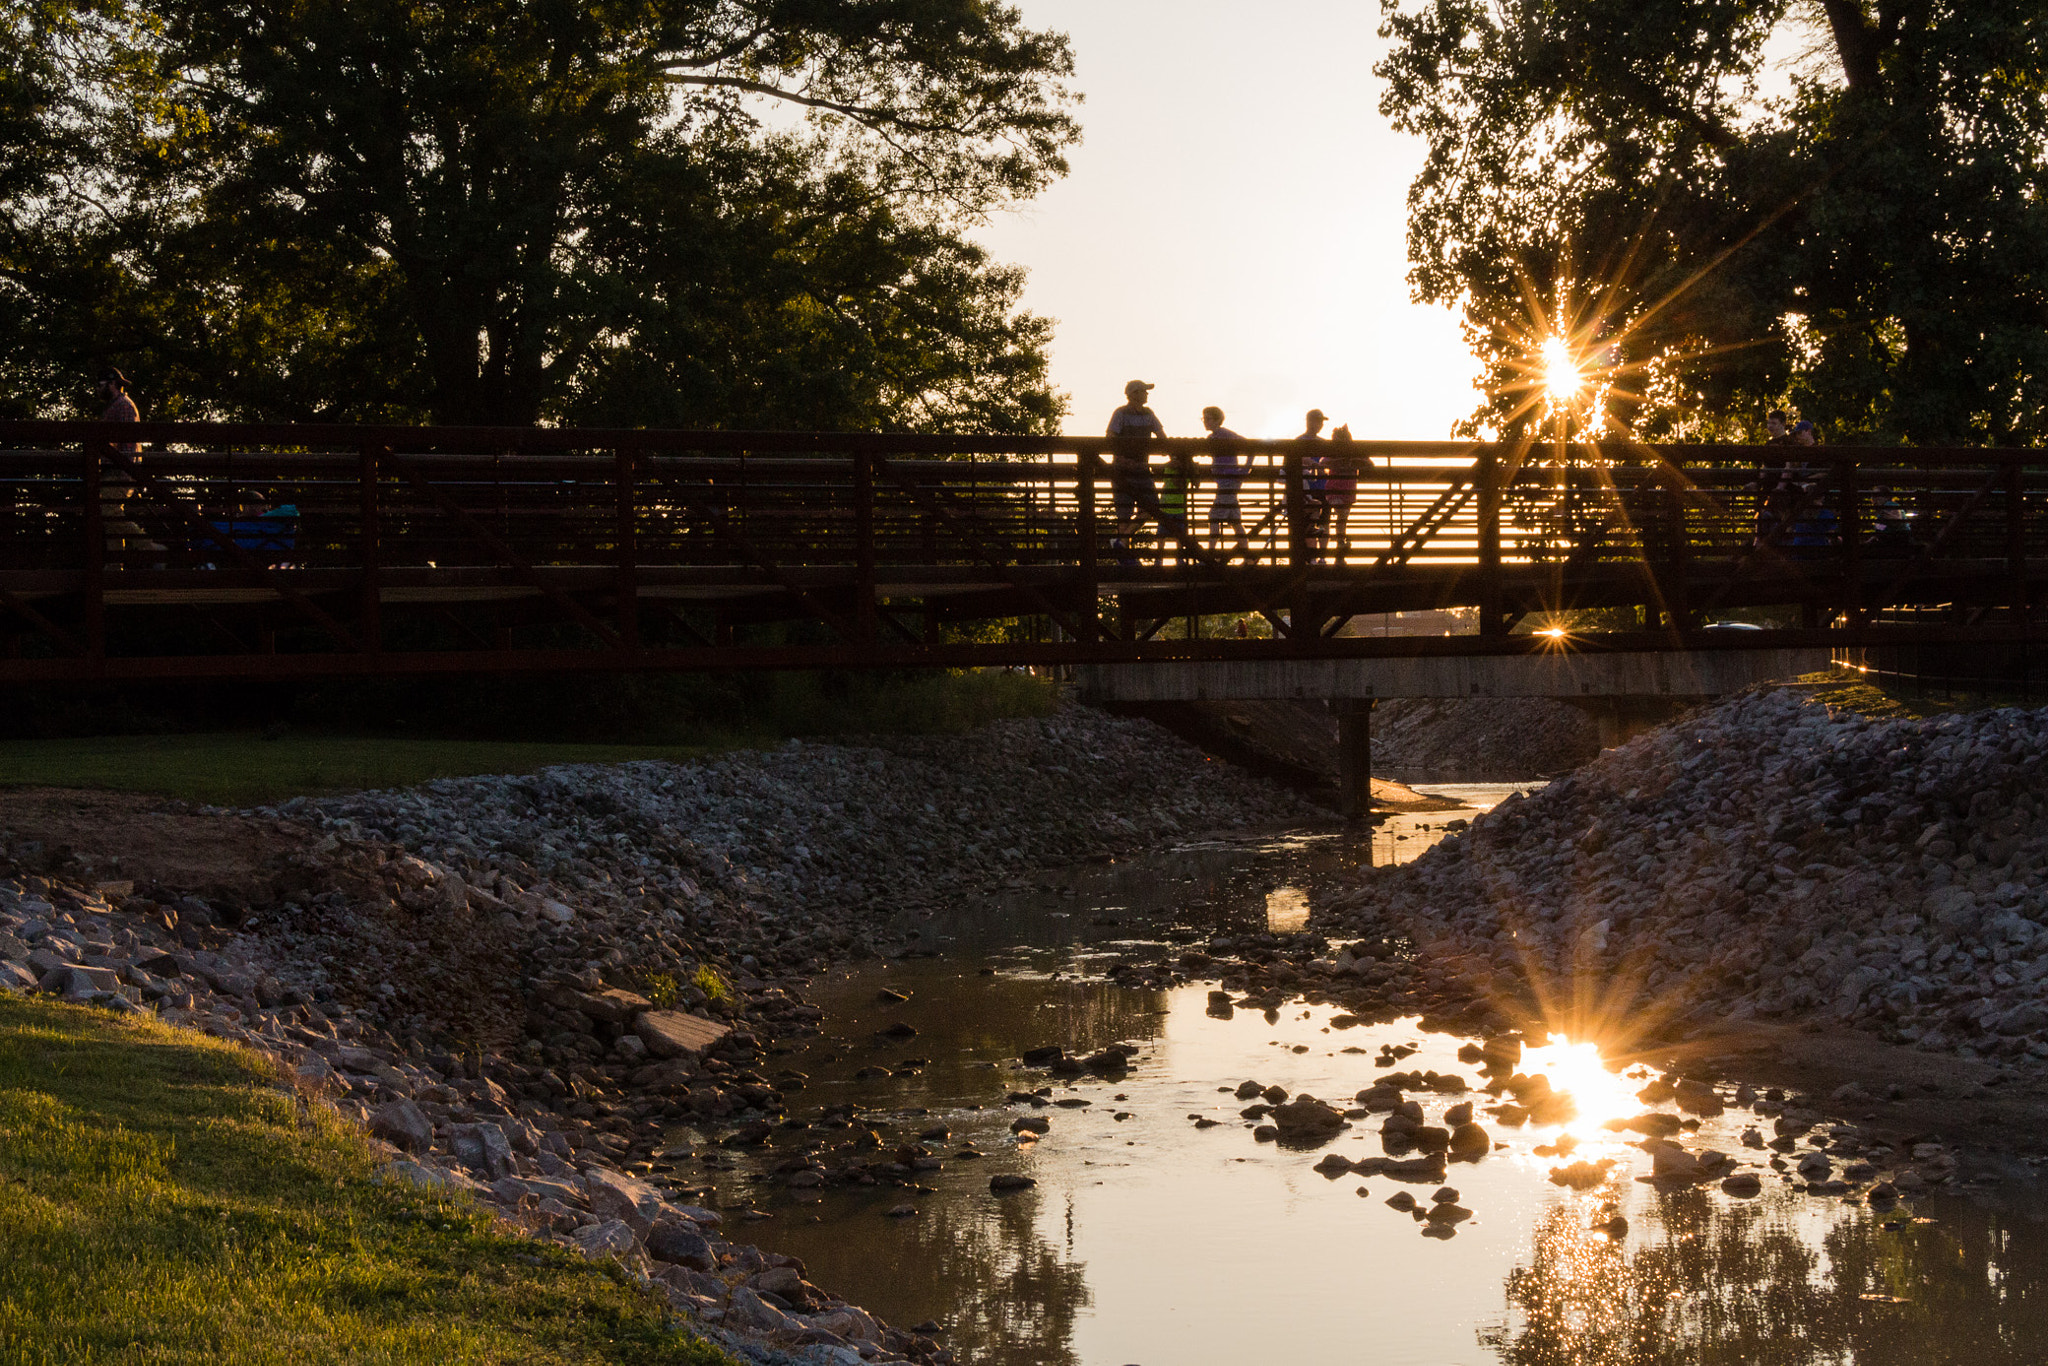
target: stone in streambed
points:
(1009, 1181)
(1470, 1142)
(1305, 1116)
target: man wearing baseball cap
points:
(1133, 427)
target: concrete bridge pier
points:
(1354, 756)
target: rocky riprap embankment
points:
(1465, 739)
(1767, 857)
(519, 983)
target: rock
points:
(1333, 1165)
(610, 1238)
(402, 1124)
(420, 1176)
(1401, 1200)
(1031, 1124)
(1743, 1185)
(1448, 1214)
(1005, 1182)
(1815, 1167)
(749, 1310)
(673, 1034)
(614, 1195)
(1470, 1141)
(484, 1149)
(1306, 1115)
(1043, 1056)
(1582, 1175)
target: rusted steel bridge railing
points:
(164, 550)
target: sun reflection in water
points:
(1577, 1070)
(1286, 910)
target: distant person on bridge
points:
(1134, 427)
(121, 532)
(1770, 474)
(1315, 473)
(1816, 528)
(1228, 465)
(1340, 483)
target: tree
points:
(1870, 246)
(515, 210)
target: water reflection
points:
(1162, 1230)
(1287, 909)
(1752, 1283)
(1598, 1094)
(982, 1266)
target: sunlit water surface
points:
(1149, 1240)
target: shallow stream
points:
(1149, 1239)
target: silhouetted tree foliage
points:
(705, 212)
(1871, 246)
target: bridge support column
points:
(1354, 756)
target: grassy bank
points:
(244, 767)
(239, 768)
(164, 1201)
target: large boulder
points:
(402, 1124)
(614, 1195)
(677, 1241)
(672, 1034)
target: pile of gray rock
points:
(1482, 740)
(1767, 857)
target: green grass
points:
(162, 1200)
(241, 768)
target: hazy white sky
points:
(1234, 226)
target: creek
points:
(1152, 1239)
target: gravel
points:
(1767, 857)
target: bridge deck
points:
(218, 550)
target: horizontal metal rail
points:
(176, 549)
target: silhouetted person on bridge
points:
(1227, 462)
(1315, 473)
(1341, 464)
(120, 531)
(1134, 427)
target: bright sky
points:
(1234, 226)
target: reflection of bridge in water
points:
(304, 551)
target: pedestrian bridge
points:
(170, 550)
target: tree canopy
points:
(1726, 205)
(704, 212)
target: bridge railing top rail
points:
(312, 437)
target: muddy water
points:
(1150, 1239)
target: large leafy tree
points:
(692, 211)
(1868, 242)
